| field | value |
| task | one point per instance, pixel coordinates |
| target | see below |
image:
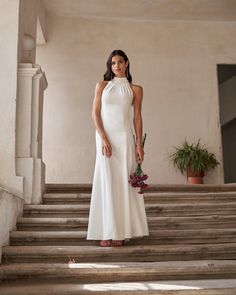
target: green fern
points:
(194, 157)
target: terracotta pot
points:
(195, 180)
(190, 173)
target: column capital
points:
(28, 69)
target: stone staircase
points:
(191, 248)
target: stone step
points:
(84, 188)
(137, 253)
(57, 198)
(161, 237)
(119, 272)
(75, 223)
(52, 223)
(151, 209)
(189, 287)
(81, 198)
(68, 188)
(231, 187)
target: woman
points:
(117, 211)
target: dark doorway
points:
(227, 101)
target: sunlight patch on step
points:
(163, 285)
(137, 286)
(92, 265)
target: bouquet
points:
(137, 178)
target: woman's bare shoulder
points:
(137, 88)
(101, 84)
(100, 87)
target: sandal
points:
(105, 243)
(117, 243)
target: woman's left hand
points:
(139, 154)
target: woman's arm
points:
(96, 116)
(138, 122)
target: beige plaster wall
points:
(9, 11)
(16, 18)
(10, 208)
(175, 62)
(28, 13)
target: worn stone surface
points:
(173, 222)
(119, 271)
(129, 253)
(192, 237)
(156, 237)
(155, 197)
(76, 188)
(220, 287)
(176, 209)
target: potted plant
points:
(193, 160)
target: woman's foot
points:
(105, 243)
(117, 243)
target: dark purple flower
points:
(136, 179)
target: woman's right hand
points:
(106, 148)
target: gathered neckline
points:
(120, 80)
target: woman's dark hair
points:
(109, 75)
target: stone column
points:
(29, 121)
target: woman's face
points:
(118, 66)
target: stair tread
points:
(183, 287)
(56, 207)
(158, 267)
(66, 195)
(52, 219)
(86, 206)
(146, 195)
(158, 233)
(154, 218)
(88, 250)
(55, 187)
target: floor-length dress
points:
(117, 210)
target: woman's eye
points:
(118, 62)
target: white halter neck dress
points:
(117, 211)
